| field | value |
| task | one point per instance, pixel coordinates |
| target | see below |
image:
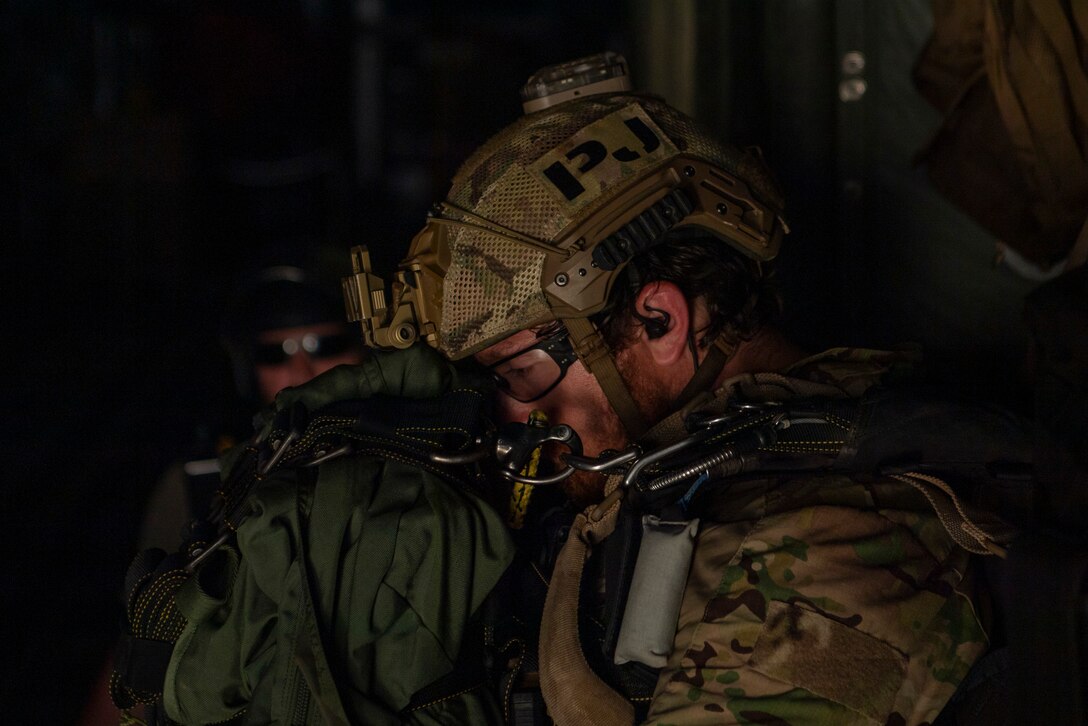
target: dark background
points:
(153, 151)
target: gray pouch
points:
(657, 588)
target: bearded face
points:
(578, 401)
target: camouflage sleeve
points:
(823, 614)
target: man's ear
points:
(666, 321)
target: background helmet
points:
(273, 298)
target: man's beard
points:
(587, 487)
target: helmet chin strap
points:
(596, 356)
(594, 353)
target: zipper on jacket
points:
(302, 701)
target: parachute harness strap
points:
(721, 351)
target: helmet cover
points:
(551, 172)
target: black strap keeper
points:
(142, 663)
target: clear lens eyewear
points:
(532, 373)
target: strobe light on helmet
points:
(602, 73)
(541, 220)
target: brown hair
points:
(740, 293)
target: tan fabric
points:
(816, 599)
(1013, 149)
(574, 693)
(595, 355)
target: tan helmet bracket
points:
(416, 301)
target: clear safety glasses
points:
(532, 372)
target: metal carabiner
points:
(482, 447)
(516, 443)
(699, 420)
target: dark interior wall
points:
(934, 274)
(875, 256)
(432, 81)
(154, 151)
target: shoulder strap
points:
(398, 428)
(573, 692)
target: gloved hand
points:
(416, 372)
(154, 624)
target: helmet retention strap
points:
(596, 356)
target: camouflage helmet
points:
(542, 218)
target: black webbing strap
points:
(153, 623)
(467, 674)
(424, 425)
(411, 428)
(141, 663)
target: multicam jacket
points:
(820, 599)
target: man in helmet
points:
(281, 328)
(339, 574)
(606, 259)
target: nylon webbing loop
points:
(595, 355)
(962, 525)
(141, 663)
